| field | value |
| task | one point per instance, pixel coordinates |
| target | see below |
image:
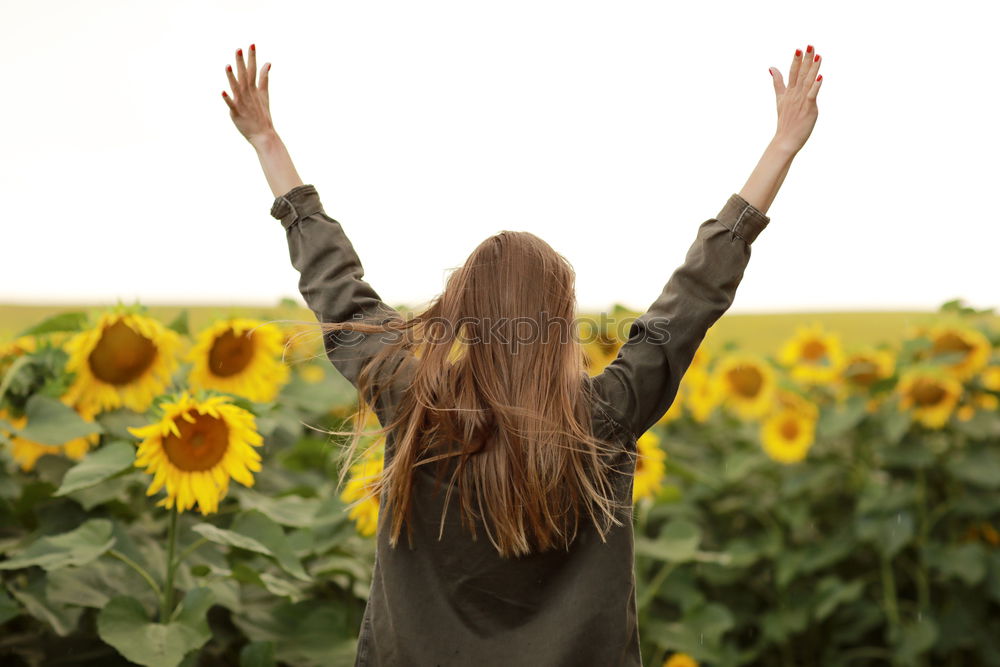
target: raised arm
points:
(330, 272)
(642, 382)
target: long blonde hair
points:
(518, 409)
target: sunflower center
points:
(950, 343)
(230, 354)
(200, 445)
(813, 350)
(789, 429)
(863, 372)
(927, 393)
(746, 381)
(121, 355)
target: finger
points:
(233, 83)
(793, 71)
(779, 86)
(814, 88)
(252, 66)
(241, 69)
(813, 70)
(229, 102)
(265, 71)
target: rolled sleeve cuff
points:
(742, 219)
(299, 202)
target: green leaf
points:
(263, 530)
(831, 592)
(52, 422)
(916, 638)
(71, 321)
(258, 654)
(8, 608)
(980, 466)
(180, 323)
(677, 542)
(966, 562)
(710, 621)
(77, 547)
(294, 511)
(117, 422)
(889, 534)
(61, 618)
(98, 466)
(124, 625)
(229, 538)
(842, 417)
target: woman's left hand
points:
(248, 106)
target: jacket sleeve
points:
(331, 279)
(641, 383)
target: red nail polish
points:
(269, 67)
(224, 94)
(798, 53)
(239, 52)
(229, 68)
(253, 48)
(809, 49)
(816, 57)
(819, 78)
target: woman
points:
(532, 440)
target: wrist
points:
(784, 147)
(265, 140)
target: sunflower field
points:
(168, 497)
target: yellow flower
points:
(786, 400)
(127, 360)
(239, 356)
(746, 384)
(787, 435)
(195, 448)
(977, 400)
(991, 378)
(703, 394)
(931, 395)
(27, 452)
(972, 347)
(358, 488)
(813, 355)
(649, 468)
(312, 373)
(302, 342)
(680, 660)
(865, 367)
(600, 346)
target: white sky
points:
(612, 130)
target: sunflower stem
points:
(138, 568)
(190, 549)
(167, 606)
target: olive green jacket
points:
(454, 601)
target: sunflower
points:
(931, 395)
(865, 367)
(301, 342)
(745, 383)
(813, 355)
(991, 378)
(703, 394)
(195, 448)
(358, 488)
(787, 435)
(649, 468)
(680, 660)
(239, 356)
(127, 359)
(971, 347)
(977, 400)
(13, 349)
(600, 346)
(27, 452)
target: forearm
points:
(277, 163)
(765, 181)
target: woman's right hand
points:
(797, 111)
(249, 106)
